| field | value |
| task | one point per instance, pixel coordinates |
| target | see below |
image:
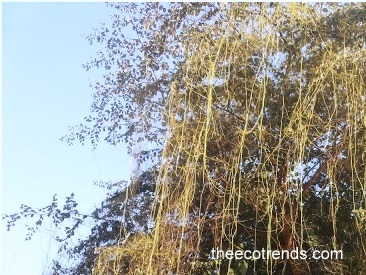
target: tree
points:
(255, 114)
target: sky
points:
(45, 90)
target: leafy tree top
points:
(256, 116)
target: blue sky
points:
(44, 90)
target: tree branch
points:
(307, 185)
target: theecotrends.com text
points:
(296, 254)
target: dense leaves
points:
(248, 125)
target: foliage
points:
(253, 119)
(117, 218)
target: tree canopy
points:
(248, 123)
